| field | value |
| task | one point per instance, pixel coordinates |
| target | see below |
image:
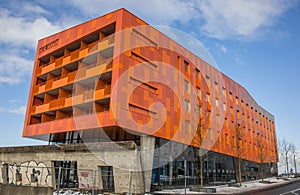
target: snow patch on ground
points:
(223, 189)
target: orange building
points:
(115, 78)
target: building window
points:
(106, 107)
(238, 114)
(186, 86)
(187, 105)
(208, 98)
(197, 74)
(198, 110)
(66, 174)
(186, 66)
(198, 92)
(89, 111)
(217, 103)
(107, 174)
(91, 87)
(69, 114)
(187, 126)
(207, 79)
(231, 114)
(224, 92)
(217, 88)
(230, 99)
(237, 100)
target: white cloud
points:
(21, 27)
(238, 61)
(154, 11)
(30, 8)
(13, 68)
(22, 31)
(221, 19)
(18, 36)
(14, 101)
(225, 19)
(15, 110)
(221, 48)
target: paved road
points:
(290, 189)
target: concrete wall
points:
(123, 156)
(147, 154)
(28, 190)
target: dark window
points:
(107, 178)
(186, 66)
(66, 174)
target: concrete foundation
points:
(131, 169)
(28, 190)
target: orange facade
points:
(117, 73)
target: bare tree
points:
(202, 126)
(285, 150)
(293, 156)
(262, 153)
(238, 130)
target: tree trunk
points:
(295, 163)
(287, 165)
(201, 168)
(240, 171)
(262, 171)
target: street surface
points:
(290, 189)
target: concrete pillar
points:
(53, 175)
(147, 155)
(170, 164)
(5, 174)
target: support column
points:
(5, 173)
(147, 155)
(170, 164)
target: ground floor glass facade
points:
(176, 164)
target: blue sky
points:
(256, 43)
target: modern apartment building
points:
(117, 79)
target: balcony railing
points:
(87, 96)
(72, 77)
(77, 54)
